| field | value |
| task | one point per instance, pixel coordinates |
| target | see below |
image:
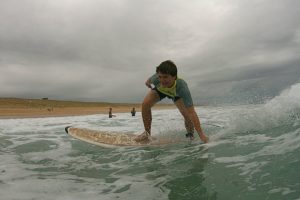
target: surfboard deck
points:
(109, 139)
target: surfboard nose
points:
(67, 129)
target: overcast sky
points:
(104, 50)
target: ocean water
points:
(253, 153)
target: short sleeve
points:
(184, 93)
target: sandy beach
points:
(12, 108)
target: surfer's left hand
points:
(204, 138)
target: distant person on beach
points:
(110, 115)
(133, 112)
(167, 84)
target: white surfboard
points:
(106, 138)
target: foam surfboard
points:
(107, 138)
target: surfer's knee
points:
(147, 104)
(150, 99)
(185, 114)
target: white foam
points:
(282, 190)
(235, 125)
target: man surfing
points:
(167, 84)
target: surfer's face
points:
(166, 80)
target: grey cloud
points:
(102, 50)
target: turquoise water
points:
(253, 154)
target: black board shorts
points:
(162, 95)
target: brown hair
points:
(167, 67)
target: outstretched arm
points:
(196, 122)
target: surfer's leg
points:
(187, 121)
(150, 99)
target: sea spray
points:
(282, 110)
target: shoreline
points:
(12, 108)
(23, 113)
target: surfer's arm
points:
(196, 122)
(148, 83)
(152, 80)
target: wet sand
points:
(12, 108)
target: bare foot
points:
(144, 137)
(189, 135)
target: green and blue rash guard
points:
(178, 90)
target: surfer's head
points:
(167, 67)
(167, 73)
